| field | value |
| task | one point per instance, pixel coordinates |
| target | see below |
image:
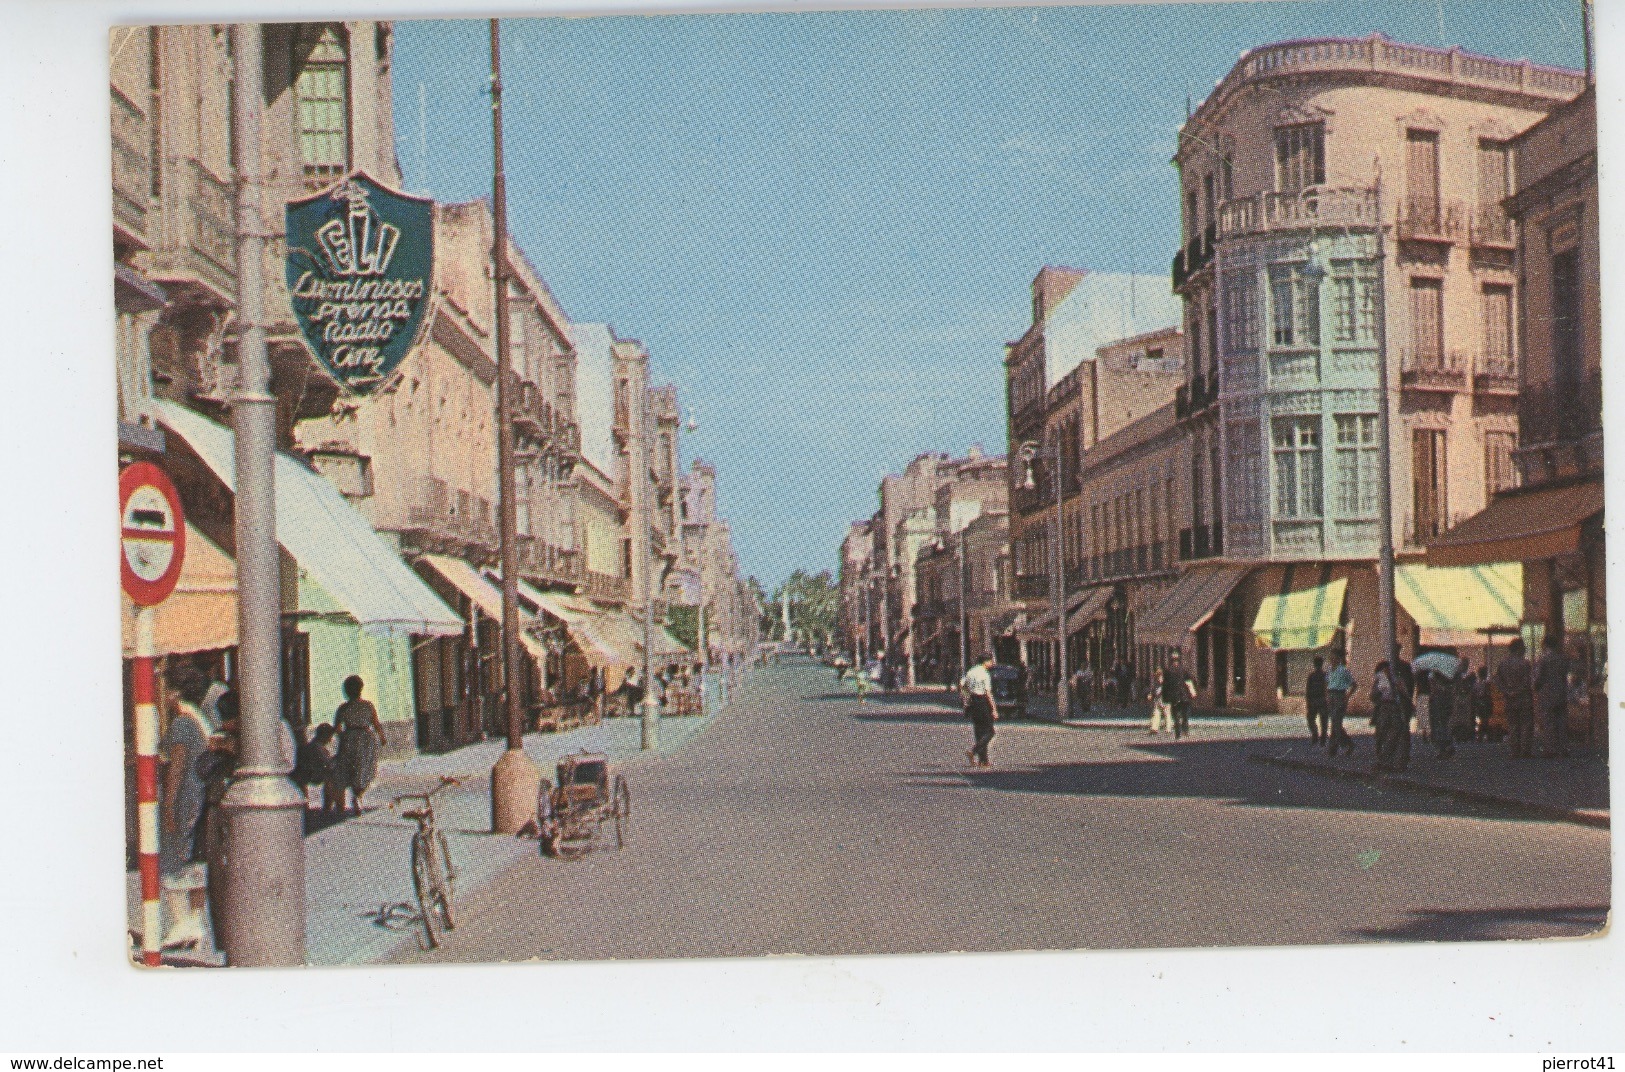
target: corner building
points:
(1330, 188)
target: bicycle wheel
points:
(622, 806)
(424, 885)
(448, 884)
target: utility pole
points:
(1385, 476)
(1058, 596)
(645, 523)
(964, 611)
(264, 865)
(515, 779)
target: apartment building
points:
(1102, 351)
(1342, 200)
(1552, 521)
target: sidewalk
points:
(358, 865)
(1572, 789)
(1107, 715)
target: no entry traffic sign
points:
(154, 533)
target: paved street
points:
(801, 822)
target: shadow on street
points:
(1494, 924)
(1216, 770)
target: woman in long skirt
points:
(360, 737)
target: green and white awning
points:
(1461, 604)
(1306, 613)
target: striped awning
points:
(1461, 604)
(1087, 607)
(484, 596)
(327, 536)
(1190, 602)
(1305, 613)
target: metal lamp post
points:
(645, 522)
(263, 922)
(1385, 476)
(515, 779)
(1028, 453)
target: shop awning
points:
(1087, 607)
(1039, 628)
(328, 537)
(1306, 612)
(484, 595)
(1461, 604)
(201, 614)
(578, 616)
(1521, 526)
(1189, 603)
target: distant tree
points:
(815, 601)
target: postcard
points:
(859, 482)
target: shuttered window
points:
(1427, 321)
(1300, 157)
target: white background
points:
(65, 986)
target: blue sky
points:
(823, 225)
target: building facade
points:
(1552, 522)
(1342, 201)
(1072, 379)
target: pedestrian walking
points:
(1483, 705)
(1086, 687)
(1441, 711)
(361, 736)
(1391, 716)
(1314, 695)
(184, 748)
(1462, 711)
(1339, 684)
(1514, 680)
(861, 678)
(1178, 690)
(632, 690)
(1161, 713)
(1552, 697)
(980, 708)
(1077, 692)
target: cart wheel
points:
(621, 804)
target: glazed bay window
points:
(321, 105)
(1354, 306)
(1300, 157)
(1294, 309)
(1295, 444)
(1241, 321)
(1357, 474)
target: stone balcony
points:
(1316, 206)
(1378, 56)
(197, 248)
(132, 172)
(1495, 376)
(603, 586)
(1426, 219)
(1433, 371)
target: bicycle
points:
(433, 877)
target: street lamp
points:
(1028, 453)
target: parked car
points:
(1010, 691)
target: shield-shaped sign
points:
(360, 264)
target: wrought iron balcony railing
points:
(1433, 371)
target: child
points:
(314, 766)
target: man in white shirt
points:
(977, 689)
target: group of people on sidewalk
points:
(198, 756)
(1460, 706)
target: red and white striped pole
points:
(144, 689)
